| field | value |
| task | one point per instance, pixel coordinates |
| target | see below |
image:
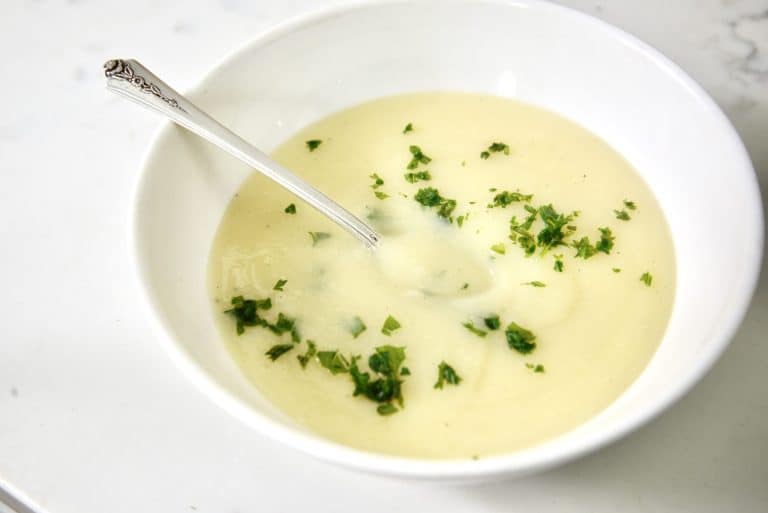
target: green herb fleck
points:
(506, 198)
(381, 195)
(492, 322)
(622, 215)
(519, 338)
(646, 278)
(552, 234)
(377, 181)
(245, 312)
(538, 284)
(605, 244)
(418, 157)
(616, 270)
(334, 361)
(408, 128)
(318, 237)
(499, 248)
(558, 267)
(415, 177)
(465, 286)
(385, 363)
(290, 209)
(460, 220)
(584, 249)
(390, 325)
(495, 148)
(280, 284)
(429, 197)
(446, 374)
(630, 205)
(312, 144)
(405, 371)
(308, 354)
(477, 331)
(356, 326)
(278, 350)
(386, 409)
(538, 368)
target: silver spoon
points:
(129, 78)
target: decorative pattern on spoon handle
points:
(122, 70)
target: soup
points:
(525, 278)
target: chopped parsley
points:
(499, 248)
(245, 312)
(419, 175)
(390, 325)
(356, 326)
(460, 220)
(538, 368)
(519, 338)
(465, 286)
(280, 284)
(477, 331)
(290, 209)
(278, 350)
(535, 283)
(496, 147)
(377, 181)
(622, 215)
(381, 195)
(418, 157)
(630, 205)
(334, 361)
(318, 237)
(308, 354)
(446, 374)
(386, 388)
(284, 324)
(605, 244)
(584, 249)
(646, 278)
(616, 270)
(313, 144)
(429, 197)
(405, 371)
(558, 267)
(492, 322)
(506, 198)
(408, 128)
(556, 229)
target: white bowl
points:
(582, 68)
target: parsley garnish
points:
(584, 249)
(408, 128)
(630, 205)
(245, 312)
(377, 181)
(538, 368)
(334, 361)
(499, 248)
(465, 286)
(418, 157)
(308, 354)
(558, 263)
(356, 326)
(278, 350)
(390, 325)
(290, 209)
(312, 144)
(429, 197)
(381, 195)
(405, 371)
(535, 283)
(492, 322)
(519, 338)
(622, 215)
(318, 237)
(477, 331)
(280, 284)
(446, 374)
(504, 199)
(616, 270)
(646, 278)
(415, 177)
(386, 409)
(552, 234)
(385, 363)
(605, 244)
(495, 148)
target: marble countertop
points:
(89, 403)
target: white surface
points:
(674, 135)
(86, 395)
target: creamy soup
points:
(525, 278)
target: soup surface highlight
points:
(525, 278)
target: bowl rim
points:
(521, 462)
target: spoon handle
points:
(129, 78)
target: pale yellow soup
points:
(596, 323)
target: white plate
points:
(609, 82)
